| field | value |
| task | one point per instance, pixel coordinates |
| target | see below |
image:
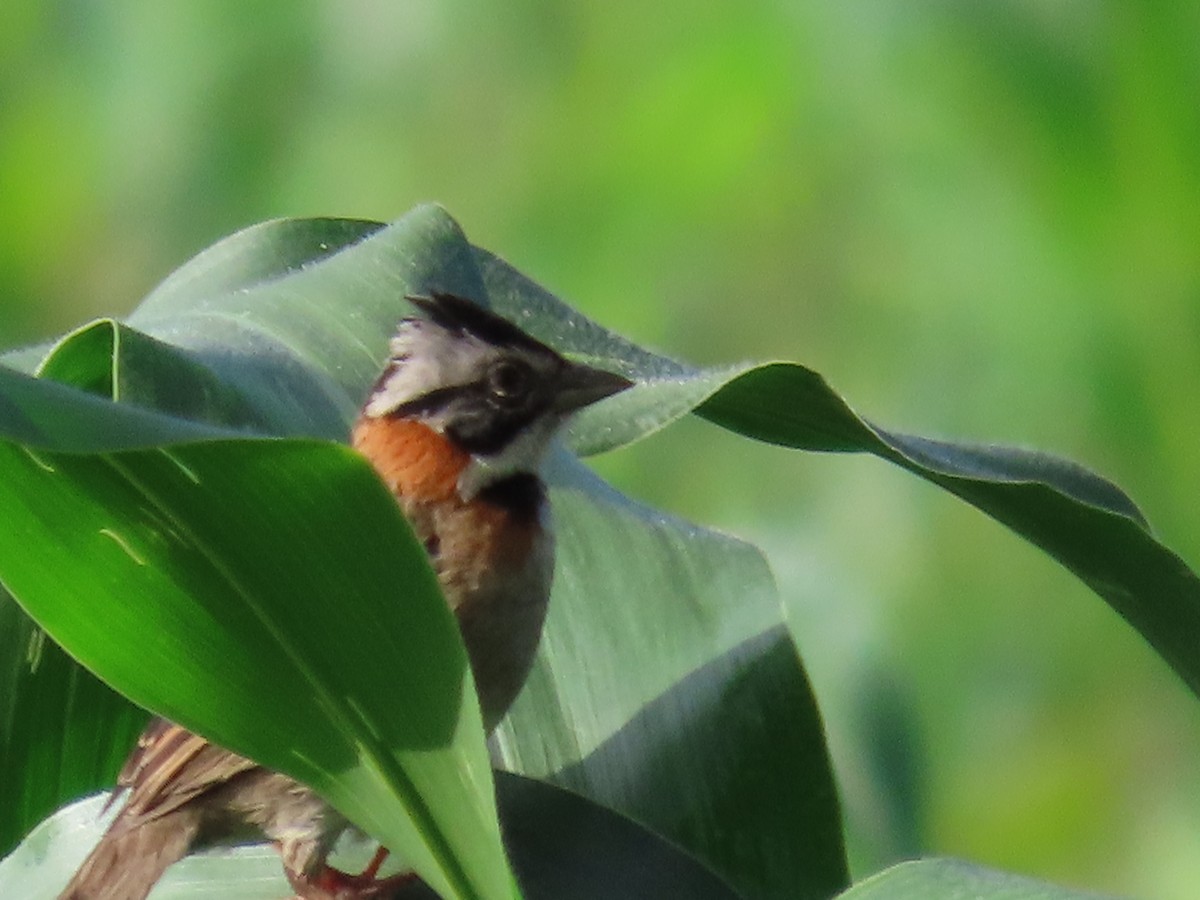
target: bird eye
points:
(508, 381)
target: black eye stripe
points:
(473, 420)
(510, 380)
(432, 402)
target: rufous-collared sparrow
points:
(456, 426)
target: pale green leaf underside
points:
(557, 840)
(952, 879)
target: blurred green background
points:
(979, 221)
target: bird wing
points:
(169, 767)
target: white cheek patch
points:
(403, 383)
(424, 359)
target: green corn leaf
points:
(291, 348)
(950, 879)
(660, 634)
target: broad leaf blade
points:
(113, 360)
(724, 736)
(1080, 519)
(274, 391)
(304, 342)
(62, 731)
(951, 879)
(141, 544)
(40, 413)
(64, 728)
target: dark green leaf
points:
(1078, 518)
(564, 845)
(112, 360)
(62, 730)
(142, 574)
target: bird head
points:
(488, 387)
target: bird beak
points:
(582, 385)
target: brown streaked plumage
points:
(161, 821)
(494, 560)
(456, 427)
